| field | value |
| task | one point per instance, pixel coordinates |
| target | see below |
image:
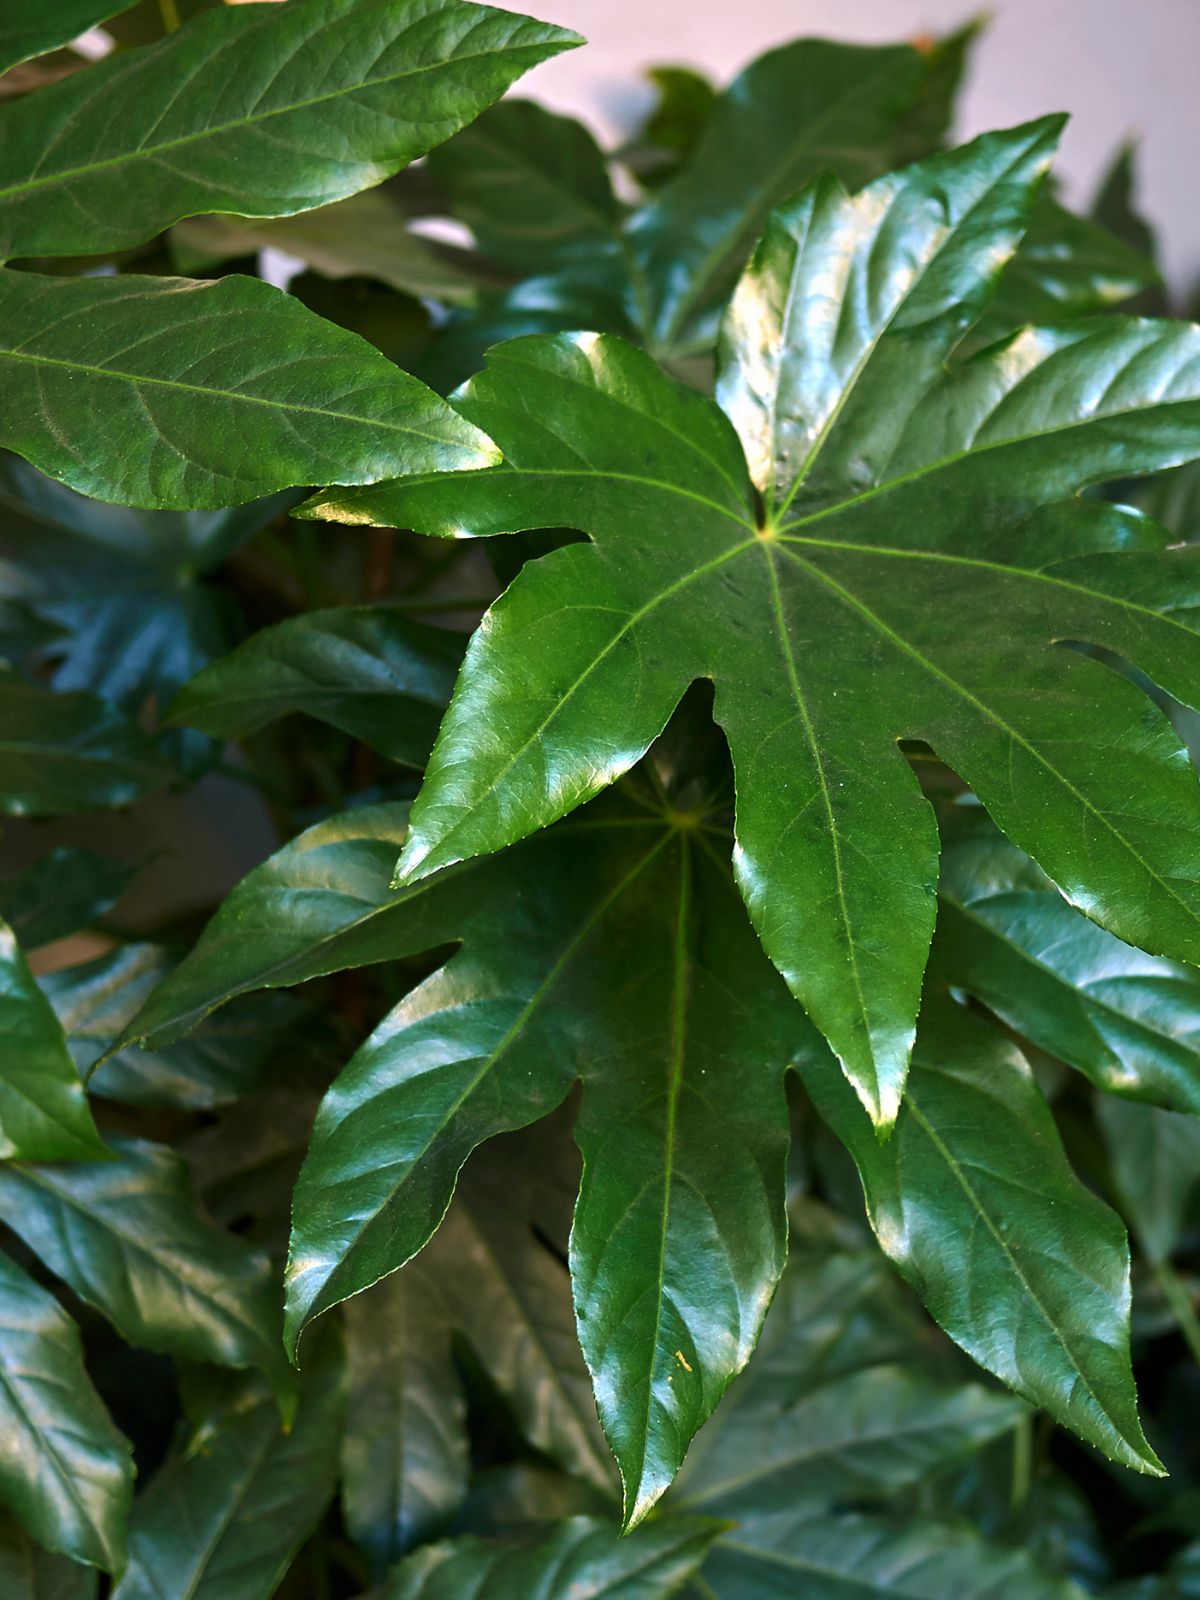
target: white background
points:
(1121, 67)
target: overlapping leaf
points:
(67, 890)
(885, 479)
(29, 31)
(65, 1471)
(256, 110)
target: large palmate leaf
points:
(972, 1197)
(65, 1471)
(678, 1235)
(27, 31)
(126, 1238)
(583, 1558)
(1129, 1020)
(188, 394)
(70, 752)
(44, 1113)
(256, 110)
(884, 478)
(368, 670)
(223, 1519)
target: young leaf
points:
(224, 1519)
(368, 670)
(533, 188)
(256, 110)
(1127, 1019)
(29, 31)
(125, 1236)
(973, 1200)
(583, 1557)
(814, 622)
(44, 1112)
(65, 1471)
(194, 394)
(872, 1558)
(69, 889)
(70, 752)
(404, 1454)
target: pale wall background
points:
(1120, 67)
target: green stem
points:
(1180, 1302)
(170, 15)
(1022, 1463)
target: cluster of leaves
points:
(838, 682)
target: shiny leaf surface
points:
(28, 1572)
(256, 110)
(892, 477)
(583, 1558)
(65, 1471)
(371, 671)
(972, 1196)
(189, 394)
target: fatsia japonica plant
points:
(599, 814)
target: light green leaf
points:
(973, 1200)
(188, 394)
(224, 1519)
(44, 1112)
(583, 1557)
(369, 670)
(65, 1471)
(126, 1237)
(70, 752)
(255, 110)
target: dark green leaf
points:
(34, 30)
(254, 110)
(68, 890)
(1155, 1161)
(973, 1200)
(223, 1520)
(888, 479)
(583, 1558)
(533, 187)
(685, 102)
(44, 1113)
(839, 1557)
(28, 1572)
(222, 1061)
(70, 752)
(1129, 1020)
(126, 1237)
(371, 671)
(193, 394)
(65, 1471)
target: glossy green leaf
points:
(190, 394)
(583, 1557)
(70, 752)
(533, 187)
(974, 1201)
(807, 106)
(27, 1572)
(369, 670)
(1129, 1020)
(222, 1061)
(67, 890)
(27, 30)
(366, 236)
(65, 1471)
(404, 1454)
(1155, 1161)
(223, 1520)
(126, 1238)
(44, 1113)
(864, 1557)
(255, 110)
(888, 475)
